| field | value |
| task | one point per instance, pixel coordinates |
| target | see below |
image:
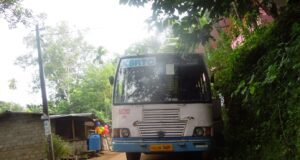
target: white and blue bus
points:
(161, 103)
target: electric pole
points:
(45, 117)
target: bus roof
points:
(163, 54)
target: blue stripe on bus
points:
(180, 144)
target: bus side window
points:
(192, 83)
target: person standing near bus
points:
(105, 135)
(103, 132)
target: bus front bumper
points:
(149, 145)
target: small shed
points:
(73, 128)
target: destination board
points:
(138, 62)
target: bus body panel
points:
(179, 144)
(196, 114)
(199, 114)
(125, 116)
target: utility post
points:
(45, 117)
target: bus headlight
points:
(198, 131)
(125, 132)
(203, 131)
(120, 132)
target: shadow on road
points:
(172, 156)
(164, 156)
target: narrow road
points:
(121, 156)
(106, 155)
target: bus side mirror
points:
(111, 80)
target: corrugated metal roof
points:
(83, 115)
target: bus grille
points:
(161, 123)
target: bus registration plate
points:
(161, 147)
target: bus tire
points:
(207, 155)
(133, 156)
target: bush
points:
(260, 82)
(61, 147)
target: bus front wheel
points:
(133, 156)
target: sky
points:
(109, 24)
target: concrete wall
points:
(22, 137)
(78, 146)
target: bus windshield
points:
(161, 79)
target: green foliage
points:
(14, 13)
(150, 45)
(76, 75)
(219, 60)
(7, 106)
(101, 51)
(194, 8)
(192, 20)
(171, 45)
(61, 148)
(192, 31)
(260, 83)
(65, 56)
(93, 93)
(34, 108)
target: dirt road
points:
(122, 156)
(110, 156)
